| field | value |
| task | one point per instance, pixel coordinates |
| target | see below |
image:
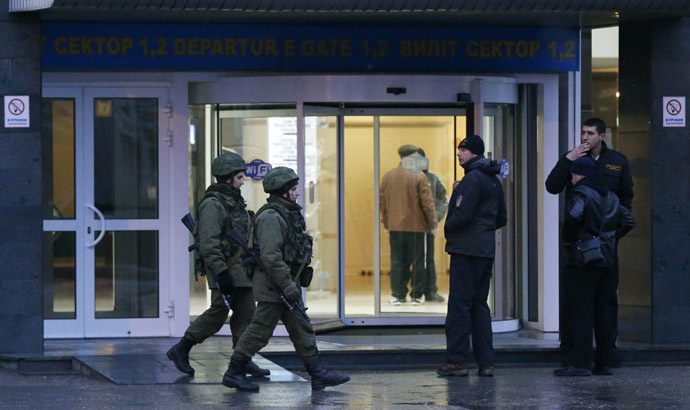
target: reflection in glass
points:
(126, 275)
(58, 158)
(59, 275)
(321, 210)
(126, 157)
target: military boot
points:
(320, 377)
(179, 355)
(253, 369)
(234, 376)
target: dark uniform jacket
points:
(589, 203)
(214, 226)
(613, 166)
(476, 209)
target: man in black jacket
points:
(614, 168)
(476, 210)
(593, 215)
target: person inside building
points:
(592, 224)
(440, 195)
(476, 210)
(613, 167)
(285, 253)
(221, 209)
(408, 214)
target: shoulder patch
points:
(458, 201)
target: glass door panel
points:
(321, 212)
(413, 260)
(126, 275)
(268, 134)
(126, 161)
(59, 273)
(126, 157)
(500, 129)
(63, 292)
(358, 207)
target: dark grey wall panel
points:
(21, 286)
(671, 186)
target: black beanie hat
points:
(474, 144)
(584, 166)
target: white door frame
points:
(85, 324)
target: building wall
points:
(21, 289)
(670, 189)
(654, 258)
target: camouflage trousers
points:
(264, 322)
(210, 322)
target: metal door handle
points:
(102, 218)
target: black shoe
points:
(602, 371)
(253, 369)
(434, 297)
(322, 378)
(485, 371)
(234, 376)
(453, 370)
(572, 371)
(180, 358)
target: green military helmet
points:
(278, 178)
(227, 164)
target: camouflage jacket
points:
(283, 245)
(214, 225)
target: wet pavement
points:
(515, 387)
(392, 369)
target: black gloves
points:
(291, 292)
(224, 282)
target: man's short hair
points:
(596, 122)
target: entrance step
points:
(34, 365)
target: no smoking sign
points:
(16, 111)
(674, 111)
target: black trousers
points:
(431, 286)
(566, 337)
(587, 309)
(468, 311)
(407, 250)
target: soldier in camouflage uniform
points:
(285, 248)
(221, 209)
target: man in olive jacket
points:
(285, 249)
(221, 209)
(476, 210)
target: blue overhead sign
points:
(216, 47)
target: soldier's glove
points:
(292, 293)
(224, 282)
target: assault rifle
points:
(199, 265)
(253, 257)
